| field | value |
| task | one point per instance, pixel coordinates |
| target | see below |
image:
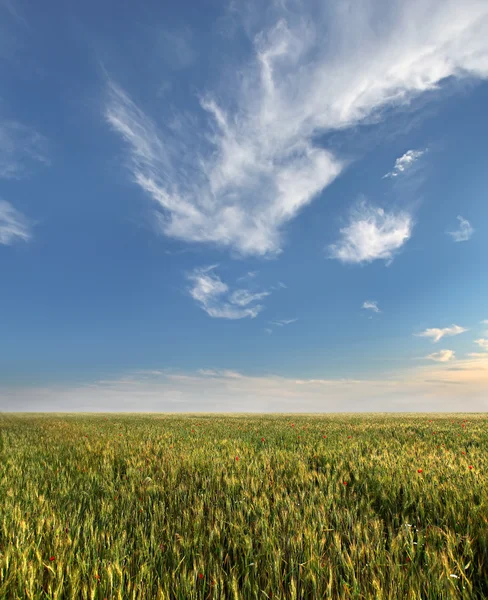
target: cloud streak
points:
(464, 232)
(437, 334)
(283, 322)
(372, 234)
(13, 225)
(19, 147)
(215, 298)
(253, 162)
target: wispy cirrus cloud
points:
(249, 275)
(371, 305)
(20, 146)
(253, 161)
(283, 322)
(464, 232)
(220, 202)
(278, 323)
(405, 162)
(442, 356)
(437, 334)
(372, 234)
(13, 225)
(216, 299)
(245, 297)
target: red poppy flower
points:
(324, 436)
(237, 458)
(344, 482)
(200, 575)
(470, 467)
(463, 453)
(262, 439)
(51, 558)
(419, 470)
(348, 437)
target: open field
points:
(275, 506)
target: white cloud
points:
(482, 343)
(249, 161)
(404, 162)
(19, 146)
(371, 305)
(442, 356)
(372, 234)
(217, 301)
(484, 322)
(238, 197)
(437, 334)
(13, 225)
(464, 232)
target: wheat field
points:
(243, 506)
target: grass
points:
(212, 506)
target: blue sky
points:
(243, 206)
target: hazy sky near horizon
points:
(244, 206)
